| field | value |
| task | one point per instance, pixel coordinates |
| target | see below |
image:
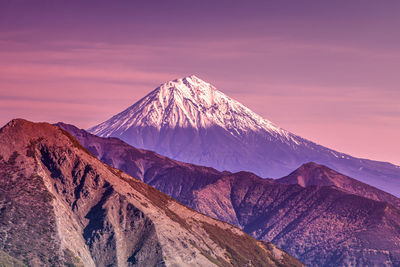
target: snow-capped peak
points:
(190, 87)
(189, 102)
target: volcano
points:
(190, 120)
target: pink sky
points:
(327, 72)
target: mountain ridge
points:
(312, 174)
(310, 170)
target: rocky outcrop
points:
(60, 206)
(327, 219)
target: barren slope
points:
(59, 206)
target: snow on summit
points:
(188, 102)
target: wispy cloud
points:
(294, 80)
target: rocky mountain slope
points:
(190, 120)
(335, 221)
(60, 206)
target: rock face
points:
(60, 206)
(190, 120)
(324, 218)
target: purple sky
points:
(325, 70)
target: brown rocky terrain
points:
(60, 206)
(329, 220)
